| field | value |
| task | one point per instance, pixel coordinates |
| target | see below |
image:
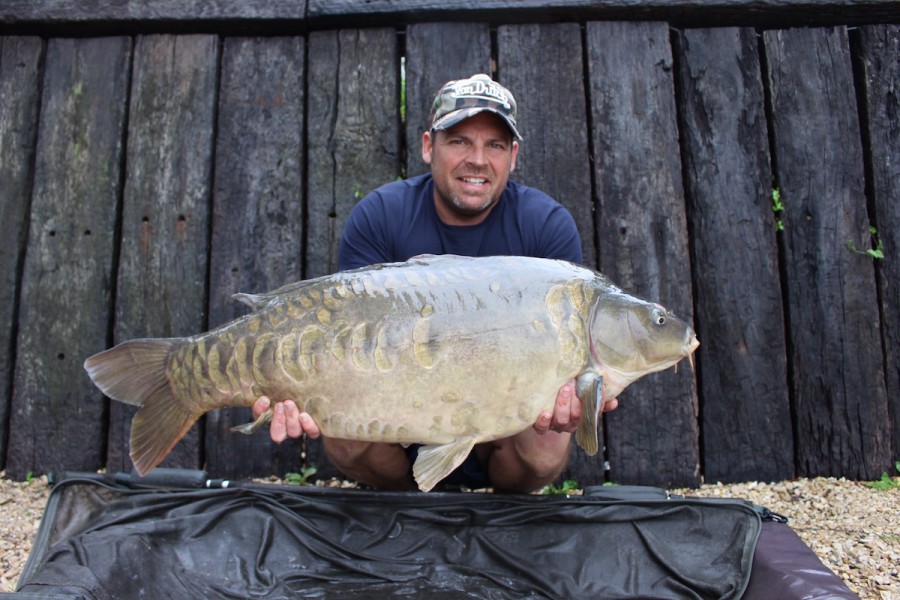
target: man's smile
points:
(474, 182)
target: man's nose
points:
(477, 155)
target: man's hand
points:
(566, 412)
(287, 420)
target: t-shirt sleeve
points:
(559, 237)
(366, 239)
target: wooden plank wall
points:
(147, 177)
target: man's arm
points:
(365, 239)
(559, 237)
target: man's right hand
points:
(287, 420)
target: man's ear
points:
(427, 146)
(515, 153)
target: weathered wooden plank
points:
(689, 13)
(642, 238)
(745, 406)
(128, 10)
(57, 414)
(20, 69)
(257, 233)
(880, 59)
(255, 17)
(161, 284)
(354, 131)
(58, 17)
(837, 363)
(543, 66)
(465, 49)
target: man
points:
(467, 205)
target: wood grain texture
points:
(689, 13)
(257, 235)
(653, 437)
(161, 284)
(57, 420)
(745, 407)
(879, 49)
(354, 131)
(59, 17)
(837, 362)
(20, 71)
(290, 17)
(543, 66)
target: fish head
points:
(631, 338)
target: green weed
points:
(567, 487)
(886, 482)
(877, 252)
(301, 478)
(777, 208)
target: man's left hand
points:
(566, 412)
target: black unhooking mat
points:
(102, 539)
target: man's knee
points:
(384, 466)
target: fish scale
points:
(442, 351)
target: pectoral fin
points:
(261, 420)
(590, 392)
(436, 462)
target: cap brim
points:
(457, 116)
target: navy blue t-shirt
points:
(398, 221)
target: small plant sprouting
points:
(886, 482)
(301, 478)
(403, 89)
(877, 252)
(567, 487)
(777, 208)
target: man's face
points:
(470, 163)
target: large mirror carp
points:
(445, 351)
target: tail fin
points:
(134, 372)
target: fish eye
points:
(659, 317)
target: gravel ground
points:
(21, 507)
(853, 528)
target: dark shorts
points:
(471, 473)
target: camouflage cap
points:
(463, 98)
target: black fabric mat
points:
(100, 540)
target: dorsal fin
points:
(263, 299)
